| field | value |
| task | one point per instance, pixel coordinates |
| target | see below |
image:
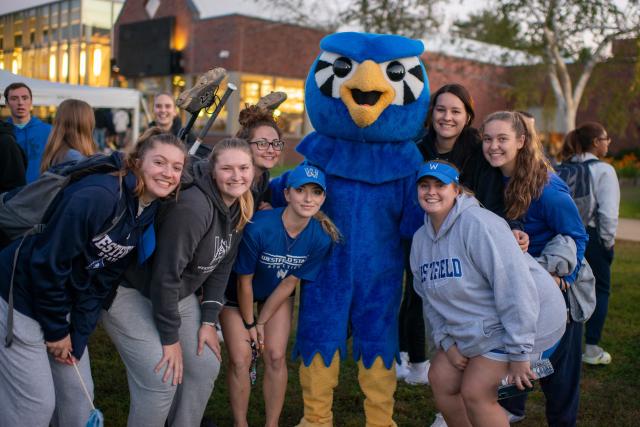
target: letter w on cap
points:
(311, 172)
(433, 166)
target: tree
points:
(577, 32)
(491, 26)
(411, 18)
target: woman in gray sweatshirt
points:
(491, 307)
(163, 319)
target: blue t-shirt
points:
(270, 254)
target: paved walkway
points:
(628, 229)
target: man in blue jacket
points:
(30, 132)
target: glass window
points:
(45, 35)
(32, 37)
(291, 113)
(64, 33)
(17, 40)
(75, 31)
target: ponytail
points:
(580, 140)
(328, 226)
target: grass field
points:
(630, 201)
(609, 394)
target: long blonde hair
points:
(245, 201)
(328, 226)
(72, 129)
(531, 171)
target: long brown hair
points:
(134, 156)
(468, 140)
(245, 201)
(531, 172)
(580, 140)
(72, 129)
(328, 226)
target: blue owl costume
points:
(367, 96)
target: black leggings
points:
(411, 322)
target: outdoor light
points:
(83, 63)
(97, 61)
(223, 54)
(14, 66)
(65, 66)
(52, 66)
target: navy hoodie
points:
(64, 274)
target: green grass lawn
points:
(609, 395)
(630, 201)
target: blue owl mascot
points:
(367, 97)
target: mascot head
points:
(368, 87)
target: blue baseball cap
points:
(306, 174)
(439, 170)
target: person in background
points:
(589, 142)
(31, 133)
(72, 135)
(120, 126)
(13, 160)
(104, 129)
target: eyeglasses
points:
(605, 138)
(263, 144)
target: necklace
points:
(289, 241)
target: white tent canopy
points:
(50, 93)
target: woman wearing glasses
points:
(260, 129)
(587, 144)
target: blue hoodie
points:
(32, 138)
(70, 268)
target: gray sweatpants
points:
(129, 322)
(35, 390)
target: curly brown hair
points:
(252, 117)
(531, 171)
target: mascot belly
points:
(367, 97)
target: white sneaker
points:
(512, 417)
(402, 369)
(418, 373)
(439, 421)
(595, 355)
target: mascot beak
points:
(367, 94)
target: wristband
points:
(212, 324)
(249, 325)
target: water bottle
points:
(542, 368)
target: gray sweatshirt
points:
(479, 290)
(196, 246)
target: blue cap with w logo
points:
(306, 174)
(442, 171)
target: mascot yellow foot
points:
(318, 381)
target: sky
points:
(453, 9)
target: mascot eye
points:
(342, 66)
(395, 71)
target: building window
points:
(17, 40)
(291, 113)
(32, 37)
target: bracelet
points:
(249, 325)
(212, 324)
(261, 324)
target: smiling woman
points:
(156, 312)
(62, 276)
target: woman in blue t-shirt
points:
(279, 248)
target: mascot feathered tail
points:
(367, 96)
